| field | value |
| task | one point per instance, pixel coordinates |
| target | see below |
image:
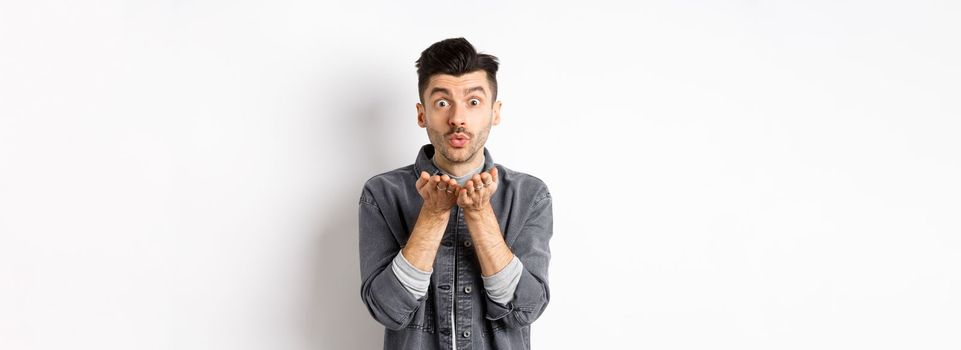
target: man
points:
(454, 249)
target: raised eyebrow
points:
(469, 90)
(440, 90)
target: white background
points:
(726, 175)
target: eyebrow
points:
(466, 91)
(438, 89)
(476, 88)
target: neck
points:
(459, 169)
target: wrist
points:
(434, 213)
(478, 213)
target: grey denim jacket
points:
(389, 206)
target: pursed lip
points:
(457, 136)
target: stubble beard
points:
(476, 144)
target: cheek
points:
(436, 117)
(480, 113)
(486, 117)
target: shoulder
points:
(384, 184)
(523, 184)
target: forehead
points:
(458, 84)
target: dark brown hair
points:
(455, 57)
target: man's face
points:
(458, 113)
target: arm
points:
(385, 296)
(531, 247)
(500, 269)
(439, 197)
(421, 248)
(492, 252)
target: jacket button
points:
(467, 243)
(466, 334)
(467, 289)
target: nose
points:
(458, 116)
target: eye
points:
(442, 103)
(474, 102)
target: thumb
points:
(422, 179)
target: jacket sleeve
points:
(532, 247)
(382, 292)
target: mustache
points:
(462, 130)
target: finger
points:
(492, 184)
(422, 179)
(486, 179)
(489, 185)
(432, 185)
(478, 183)
(469, 186)
(442, 183)
(452, 186)
(495, 178)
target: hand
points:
(477, 192)
(439, 192)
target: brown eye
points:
(442, 103)
(474, 102)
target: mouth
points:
(458, 140)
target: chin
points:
(457, 155)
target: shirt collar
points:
(424, 162)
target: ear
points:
(497, 113)
(421, 116)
